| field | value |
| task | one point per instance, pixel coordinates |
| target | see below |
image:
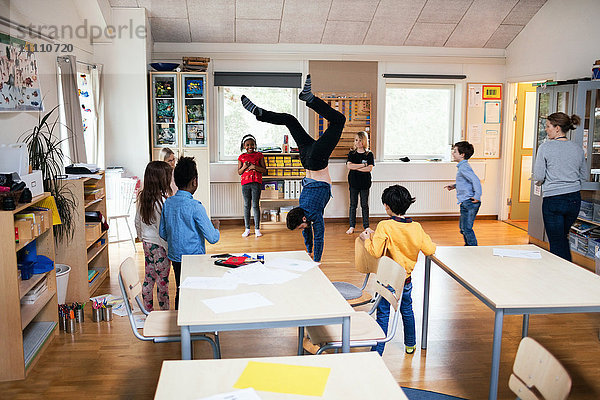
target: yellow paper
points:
(50, 204)
(284, 378)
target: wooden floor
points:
(105, 361)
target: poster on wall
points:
(19, 83)
(484, 119)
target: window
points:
(419, 120)
(238, 122)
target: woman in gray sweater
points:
(560, 168)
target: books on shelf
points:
(36, 292)
(583, 227)
(92, 274)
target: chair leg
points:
(130, 234)
(218, 344)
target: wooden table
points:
(514, 286)
(353, 376)
(308, 300)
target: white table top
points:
(549, 282)
(358, 376)
(309, 296)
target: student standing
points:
(360, 164)
(167, 155)
(251, 167)
(314, 155)
(468, 190)
(151, 198)
(560, 168)
(402, 239)
(184, 223)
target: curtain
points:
(99, 108)
(71, 109)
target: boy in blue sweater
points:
(184, 223)
(468, 190)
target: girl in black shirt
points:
(360, 163)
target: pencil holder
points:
(96, 314)
(62, 322)
(79, 315)
(107, 314)
(71, 327)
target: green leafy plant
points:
(45, 154)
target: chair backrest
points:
(363, 261)
(389, 272)
(131, 280)
(121, 202)
(537, 372)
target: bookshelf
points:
(283, 169)
(80, 254)
(26, 329)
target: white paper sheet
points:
(530, 254)
(291, 264)
(258, 274)
(209, 283)
(242, 394)
(237, 302)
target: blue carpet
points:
(418, 394)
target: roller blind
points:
(258, 79)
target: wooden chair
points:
(364, 330)
(537, 374)
(160, 326)
(364, 263)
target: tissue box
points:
(34, 182)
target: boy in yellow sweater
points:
(403, 239)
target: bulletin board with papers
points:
(484, 118)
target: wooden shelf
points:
(21, 244)
(37, 338)
(33, 201)
(89, 244)
(26, 285)
(95, 201)
(90, 259)
(277, 200)
(297, 167)
(29, 311)
(589, 221)
(98, 280)
(283, 177)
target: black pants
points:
(314, 154)
(177, 271)
(560, 212)
(364, 205)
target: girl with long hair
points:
(156, 188)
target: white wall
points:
(562, 40)
(480, 65)
(126, 97)
(37, 13)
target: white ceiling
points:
(439, 23)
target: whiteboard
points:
(484, 118)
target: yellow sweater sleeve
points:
(427, 247)
(376, 245)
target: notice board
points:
(484, 118)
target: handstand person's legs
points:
(331, 136)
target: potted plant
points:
(45, 154)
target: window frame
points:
(455, 115)
(221, 157)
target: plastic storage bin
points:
(62, 281)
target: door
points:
(522, 156)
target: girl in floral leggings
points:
(157, 180)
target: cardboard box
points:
(92, 231)
(270, 194)
(95, 194)
(24, 229)
(34, 182)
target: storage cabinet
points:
(581, 98)
(179, 121)
(26, 329)
(281, 186)
(87, 252)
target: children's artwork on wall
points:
(163, 87)
(19, 84)
(194, 134)
(166, 135)
(194, 112)
(194, 87)
(165, 110)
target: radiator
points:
(431, 199)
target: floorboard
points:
(105, 361)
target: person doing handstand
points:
(314, 155)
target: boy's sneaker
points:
(410, 349)
(246, 233)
